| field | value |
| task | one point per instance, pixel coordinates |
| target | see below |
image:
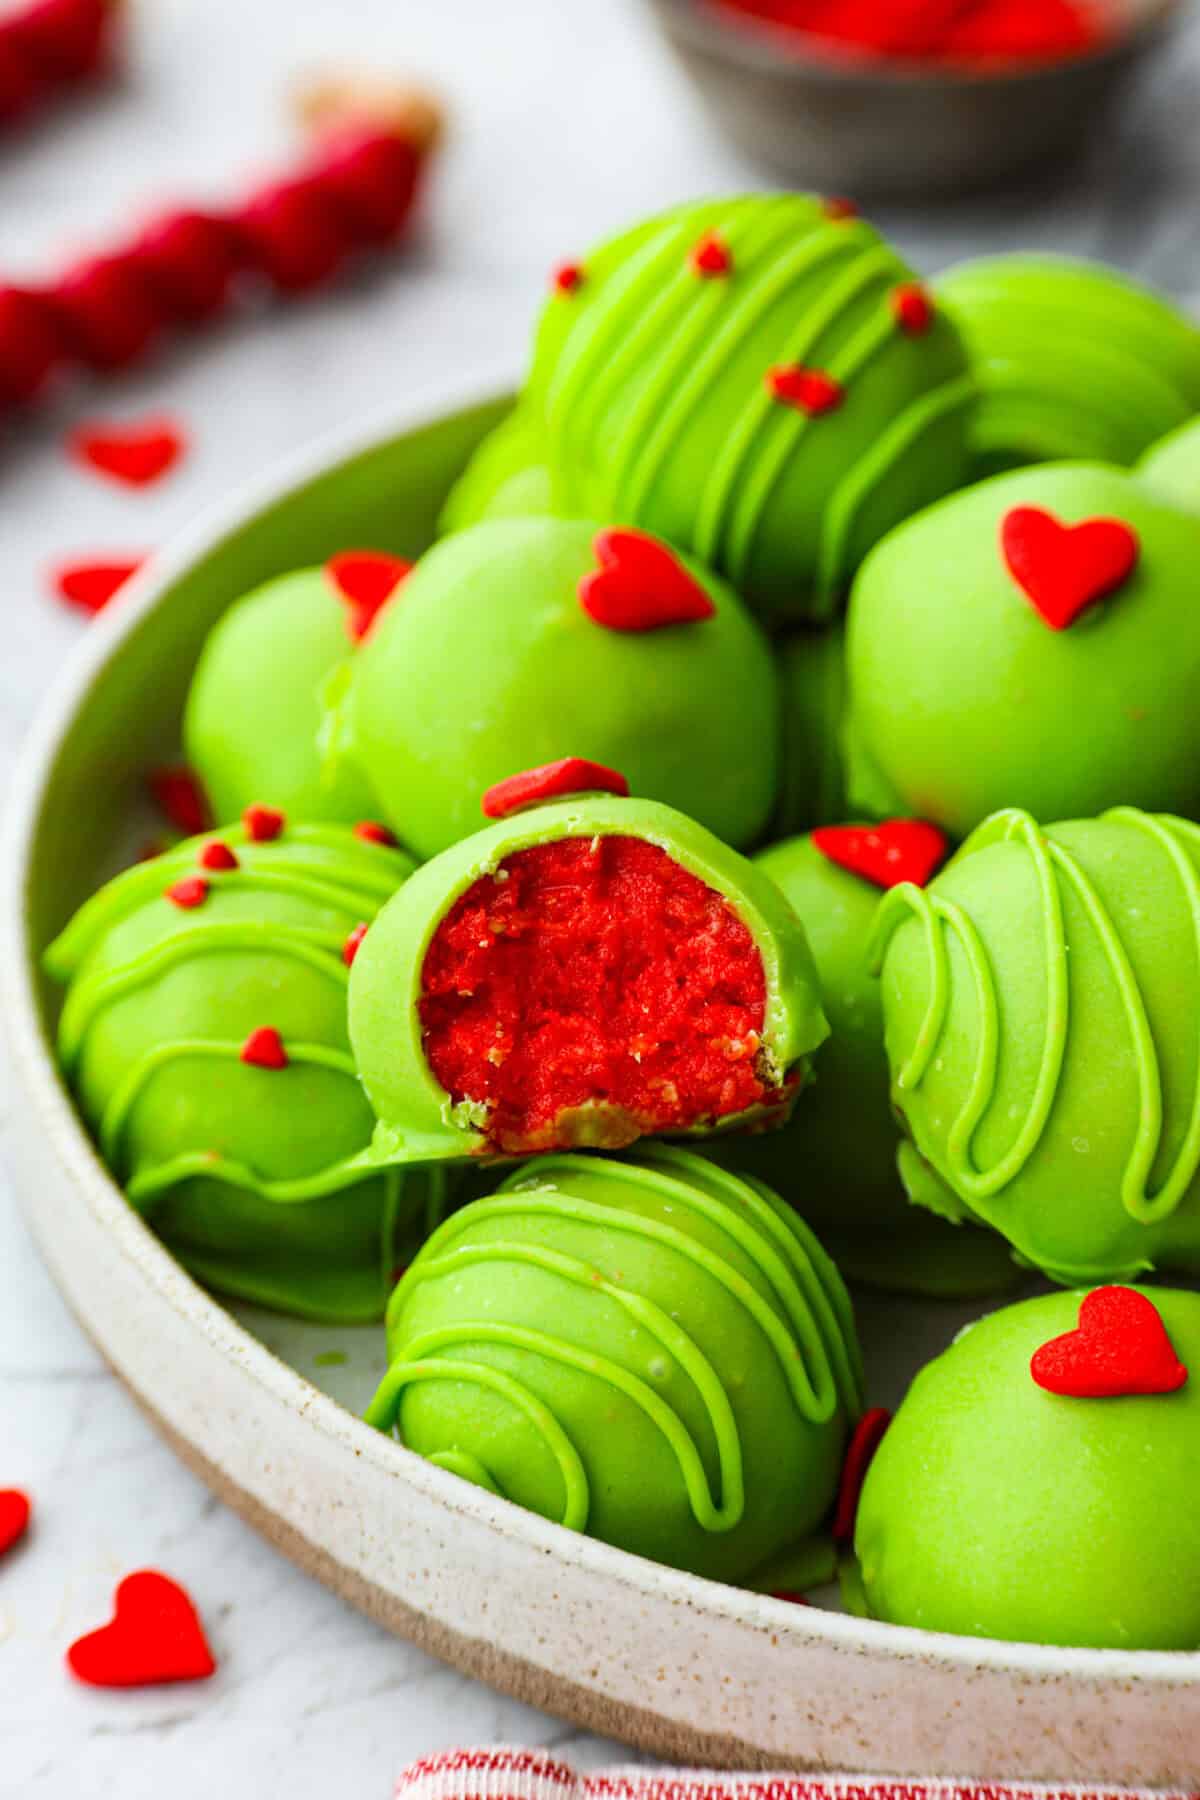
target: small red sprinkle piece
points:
(91, 585)
(263, 823)
(1119, 1348)
(365, 580)
(553, 781)
(1064, 569)
(216, 855)
(837, 206)
(15, 1514)
(641, 585)
(913, 309)
(900, 850)
(711, 256)
(189, 893)
(810, 391)
(264, 1049)
(372, 832)
(868, 1435)
(155, 1636)
(135, 454)
(791, 1596)
(351, 946)
(180, 798)
(568, 278)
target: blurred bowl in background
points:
(892, 129)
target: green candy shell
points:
(507, 478)
(256, 710)
(653, 1351)
(1041, 999)
(651, 383)
(835, 1159)
(963, 700)
(487, 664)
(995, 1509)
(417, 1120)
(1075, 361)
(1171, 468)
(812, 780)
(248, 1174)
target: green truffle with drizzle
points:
(204, 1035)
(654, 1352)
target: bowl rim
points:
(762, 48)
(150, 589)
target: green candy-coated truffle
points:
(654, 1352)
(1075, 361)
(419, 1119)
(963, 699)
(507, 478)
(812, 778)
(652, 379)
(488, 664)
(995, 1509)
(1041, 999)
(835, 1160)
(256, 710)
(246, 1172)
(1171, 468)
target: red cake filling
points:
(590, 992)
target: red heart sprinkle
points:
(134, 454)
(1064, 569)
(372, 832)
(91, 585)
(351, 946)
(838, 207)
(868, 1435)
(179, 796)
(1119, 1348)
(366, 581)
(553, 781)
(217, 855)
(913, 309)
(641, 585)
(263, 1049)
(901, 850)
(155, 1636)
(568, 278)
(810, 391)
(263, 823)
(711, 256)
(15, 1513)
(192, 891)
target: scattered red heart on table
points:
(91, 585)
(1120, 1348)
(640, 585)
(15, 1513)
(155, 1636)
(901, 850)
(135, 454)
(179, 796)
(1064, 569)
(868, 1435)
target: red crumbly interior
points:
(592, 991)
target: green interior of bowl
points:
(93, 807)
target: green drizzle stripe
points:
(125, 1096)
(91, 994)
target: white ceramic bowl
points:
(683, 1667)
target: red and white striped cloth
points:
(508, 1774)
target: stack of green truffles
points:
(750, 851)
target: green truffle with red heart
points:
(1033, 642)
(1037, 1481)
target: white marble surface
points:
(568, 119)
